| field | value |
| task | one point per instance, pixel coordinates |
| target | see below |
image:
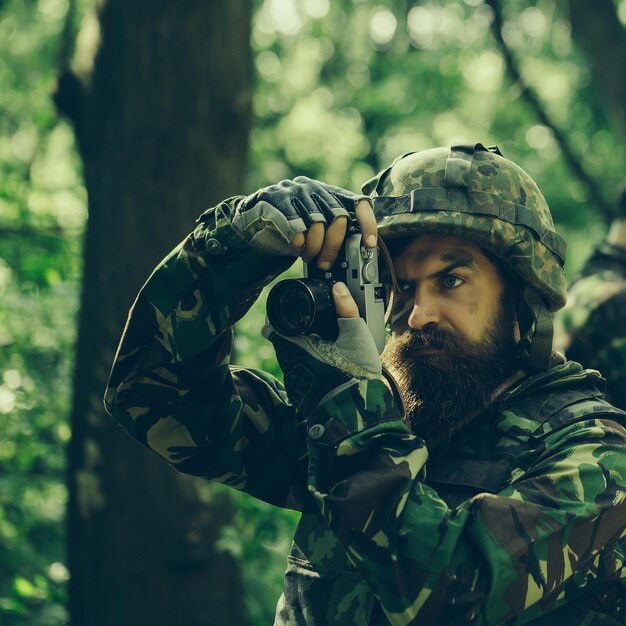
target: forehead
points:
(443, 250)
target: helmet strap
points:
(392, 274)
(538, 338)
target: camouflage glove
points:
(269, 218)
(317, 369)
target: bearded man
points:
(477, 478)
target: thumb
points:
(344, 302)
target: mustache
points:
(434, 338)
(447, 342)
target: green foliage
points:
(345, 87)
(342, 88)
(42, 210)
(260, 538)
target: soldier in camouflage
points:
(496, 495)
(591, 329)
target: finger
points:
(314, 241)
(335, 234)
(367, 221)
(344, 302)
(297, 243)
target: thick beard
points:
(442, 391)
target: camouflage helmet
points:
(475, 193)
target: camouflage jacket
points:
(521, 518)
(591, 329)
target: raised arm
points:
(172, 386)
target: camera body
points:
(302, 306)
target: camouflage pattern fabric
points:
(379, 542)
(591, 329)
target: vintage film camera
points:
(304, 306)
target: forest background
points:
(120, 122)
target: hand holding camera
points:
(311, 305)
(334, 231)
(303, 217)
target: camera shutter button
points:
(369, 272)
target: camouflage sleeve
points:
(521, 552)
(591, 329)
(172, 386)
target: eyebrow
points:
(454, 260)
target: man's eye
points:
(451, 282)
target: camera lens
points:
(296, 309)
(302, 306)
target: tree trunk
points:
(596, 26)
(160, 97)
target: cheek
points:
(483, 314)
(463, 306)
(470, 316)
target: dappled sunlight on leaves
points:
(342, 88)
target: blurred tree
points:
(592, 26)
(599, 31)
(159, 94)
(41, 215)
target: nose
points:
(424, 313)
